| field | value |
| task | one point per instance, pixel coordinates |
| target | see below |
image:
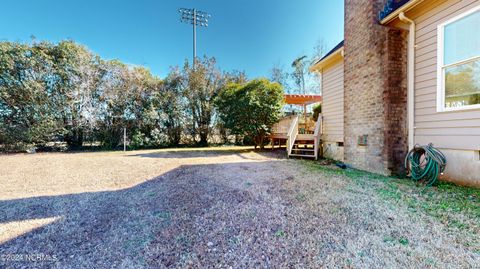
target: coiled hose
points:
(425, 163)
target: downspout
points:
(411, 79)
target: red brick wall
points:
(375, 89)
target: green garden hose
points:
(425, 163)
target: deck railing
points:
(317, 135)
(283, 125)
(292, 135)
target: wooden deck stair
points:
(297, 145)
(304, 146)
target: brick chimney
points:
(375, 90)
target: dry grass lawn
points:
(225, 207)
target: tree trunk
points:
(203, 133)
(203, 139)
(262, 139)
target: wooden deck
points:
(286, 132)
(279, 136)
(305, 137)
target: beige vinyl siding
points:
(449, 130)
(332, 102)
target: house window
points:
(459, 62)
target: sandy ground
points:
(204, 208)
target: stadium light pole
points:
(195, 18)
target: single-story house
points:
(330, 69)
(407, 72)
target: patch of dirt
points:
(209, 208)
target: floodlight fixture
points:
(195, 18)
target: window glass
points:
(462, 84)
(462, 39)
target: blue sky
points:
(249, 35)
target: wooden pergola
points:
(302, 100)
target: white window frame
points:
(441, 67)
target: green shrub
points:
(251, 109)
(317, 109)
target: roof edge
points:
(326, 61)
(337, 50)
(406, 7)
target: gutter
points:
(409, 5)
(410, 78)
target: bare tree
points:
(279, 75)
(319, 51)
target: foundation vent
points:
(362, 140)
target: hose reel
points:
(425, 163)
